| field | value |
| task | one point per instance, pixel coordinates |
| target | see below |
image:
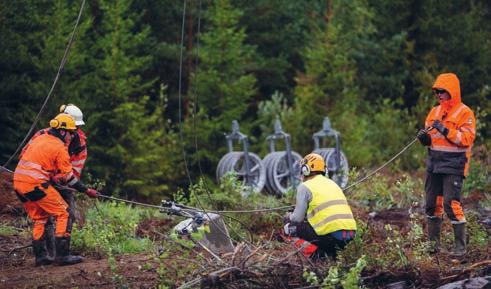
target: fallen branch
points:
(466, 270)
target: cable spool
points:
(282, 167)
(336, 161)
(247, 166)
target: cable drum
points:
(235, 162)
(338, 175)
(281, 177)
(336, 161)
(282, 167)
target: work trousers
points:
(41, 202)
(69, 198)
(443, 194)
(327, 244)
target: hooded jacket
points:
(451, 154)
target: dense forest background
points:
(153, 127)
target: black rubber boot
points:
(434, 230)
(459, 240)
(49, 235)
(39, 248)
(63, 256)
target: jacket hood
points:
(450, 83)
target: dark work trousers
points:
(443, 195)
(49, 228)
(327, 244)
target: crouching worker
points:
(330, 224)
(44, 162)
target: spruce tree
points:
(223, 84)
(114, 109)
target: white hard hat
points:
(75, 112)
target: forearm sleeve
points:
(303, 198)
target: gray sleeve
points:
(304, 196)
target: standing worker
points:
(450, 141)
(330, 224)
(77, 150)
(46, 161)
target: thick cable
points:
(386, 163)
(60, 69)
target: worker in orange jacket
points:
(46, 162)
(77, 150)
(449, 150)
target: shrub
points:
(110, 227)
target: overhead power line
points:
(60, 69)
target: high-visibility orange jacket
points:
(451, 154)
(77, 149)
(45, 157)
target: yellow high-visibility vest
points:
(328, 210)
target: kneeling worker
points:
(44, 162)
(330, 224)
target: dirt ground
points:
(141, 270)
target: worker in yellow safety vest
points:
(322, 215)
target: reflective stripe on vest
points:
(328, 210)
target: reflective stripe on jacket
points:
(328, 210)
(451, 154)
(45, 157)
(78, 159)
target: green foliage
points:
(223, 83)
(478, 236)
(394, 255)
(477, 180)
(6, 230)
(353, 277)
(349, 279)
(368, 65)
(174, 262)
(110, 228)
(268, 111)
(228, 197)
(375, 193)
(382, 192)
(120, 118)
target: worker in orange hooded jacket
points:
(453, 129)
(46, 162)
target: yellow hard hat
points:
(63, 121)
(313, 163)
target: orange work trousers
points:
(39, 210)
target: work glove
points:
(92, 193)
(423, 137)
(440, 127)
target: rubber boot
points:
(39, 248)
(49, 235)
(434, 229)
(63, 256)
(459, 240)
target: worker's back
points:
(45, 157)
